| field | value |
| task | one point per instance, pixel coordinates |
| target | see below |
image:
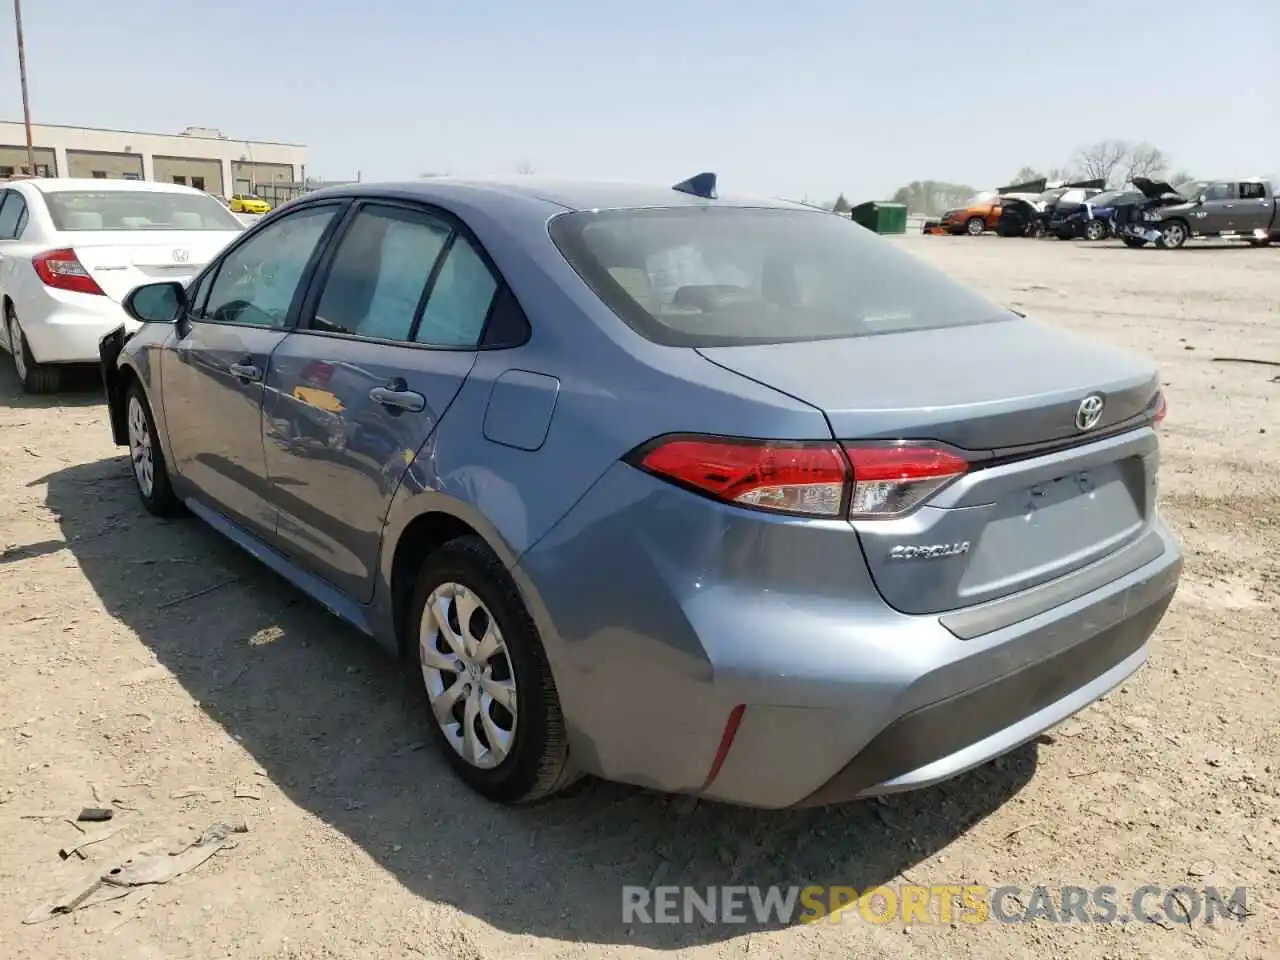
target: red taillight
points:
(1162, 408)
(814, 479)
(805, 478)
(62, 270)
(889, 480)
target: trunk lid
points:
(1043, 497)
(121, 260)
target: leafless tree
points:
(1143, 160)
(524, 168)
(1101, 160)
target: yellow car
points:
(248, 203)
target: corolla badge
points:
(930, 551)
(1089, 412)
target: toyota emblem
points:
(181, 256)
(1089, 412)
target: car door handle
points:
(245, 371)
(399, 399)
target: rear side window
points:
(13, 215)
(379, 274)
(721, 276)
(460, 299)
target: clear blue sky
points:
(789, 97)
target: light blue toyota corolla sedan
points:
(724, 497)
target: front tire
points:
(974, 226)
(34, 377)
(1173, 234)
(1095, 230)
(150, 473)
(495, 710)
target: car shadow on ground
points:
(81, 387)
(341, 731)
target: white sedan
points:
(70, 250)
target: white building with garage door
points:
(198, 157)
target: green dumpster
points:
(880, 216)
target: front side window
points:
(1220, 191)
(722, 276)
(379, 273)
(256, 282)
(129, 210)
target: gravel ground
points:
(154, 668)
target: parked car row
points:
(1144, 212)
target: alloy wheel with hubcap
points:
(1095, 230)
(18, 348)
(469, 676)
(495, 709)
(975, 226)
(1173, 235)
(140, 452)
(146, 458)
(34, 377)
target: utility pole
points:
(22, 74)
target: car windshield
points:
(723, 276)
(137, 210)
(1192, 188)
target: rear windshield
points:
(721, 276)
(137, 210)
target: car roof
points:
(60, 184)
(556, 195)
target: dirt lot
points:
(154, 667)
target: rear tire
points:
(508, 752)
(35, 377)
(150, 472)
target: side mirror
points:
(1201, 198)
(156, 302)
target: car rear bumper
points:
(68, 330)
(663, 613)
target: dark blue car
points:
(1092, 219)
